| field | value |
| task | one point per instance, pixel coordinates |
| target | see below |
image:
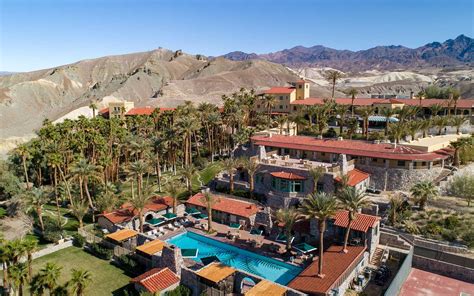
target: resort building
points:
(226, 210)
(127, 217)
(286, 181)
(339, 271)
(391, 166)
(120, 109)
(156, 281)
(284, 96)
(124, 238)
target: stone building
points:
(391, 166)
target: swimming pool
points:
(265, 267)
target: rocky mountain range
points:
(453, 53)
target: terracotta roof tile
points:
(127, 212)
(462, 103)
(355, 177)
(335, 265)
(287, 176)
(227, 205)
(141, 111)
(156, 279)
(122, 235)
(362, 222)
(350, 147)
(279, 90)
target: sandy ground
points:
(13, 228)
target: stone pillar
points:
(261, 152)
(410, 165)
(430, 165)
(171, 258)
(342, 162)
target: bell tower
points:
(302, 89)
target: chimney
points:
(342, 162)
(411, 95)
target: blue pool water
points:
(265, 267)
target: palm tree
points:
(332, 76)
(458, 121)
(174, 190)
(136, 170)
(18, 275)
(387, 113)
(422, 192)
(93, 106)
(251, 166)
(85, 171)
(420, 95)
(229, 165)
(49, 276)
(316, 173)
(395, 204)
(459, 145)
(352, 200)
(353, 93)
(435, 109)
(282, 119)
(340, 111)
(209, 201)
(30, 247)
(24, 153)
(269, 102)
(398, 130)
(79, 209)
(365, 113)
(440, 122)
(319, 206)
(140, 199)
(288, 217)
(189, 172)
(5, 258)
(425, 126)
(79, 281)
(35, 200)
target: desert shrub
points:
(412, 228)
(200, 163)
(376, 136)
(127, 262)
(468, 239)
(433, 228)
(78, 240)
(451, 222)
(101, 251)
(449, 235)
(331, 133)
(3, 212)
(52, 236)
(179, 291)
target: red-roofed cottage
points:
(226, 210)
(156, 281)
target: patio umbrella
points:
(304, 248)
(169, 216)
(256, 231)
(200, 216)
(235, 226)
(189, 253)
(156, 221)
(281, 238)
(192, 211)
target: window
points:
(323, 153)
(281, 97)
(423, 163)
(281, 106)
(294, 108)
(374, 159)
(307, 85)
(401, 163)
(320, 187)
(299, 86)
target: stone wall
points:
(52, 248)
(398, 179)
(450, 270)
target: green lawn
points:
(106, 278)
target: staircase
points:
(377, 256)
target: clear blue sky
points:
(47, 33)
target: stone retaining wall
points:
(52, 248)
(398, 179)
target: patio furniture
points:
(254, 231)
(304, 248)
(210, 259)
(281, 238)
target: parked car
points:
(373, 190)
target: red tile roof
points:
(127, 212)
(287, 176)
(141, 111)
(349, 147)
(462, 103)
(156, 279)
(355, 177)
(227, 205)
(279, 90)
(336, 264)
(362, 222)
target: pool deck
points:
(267, 248)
